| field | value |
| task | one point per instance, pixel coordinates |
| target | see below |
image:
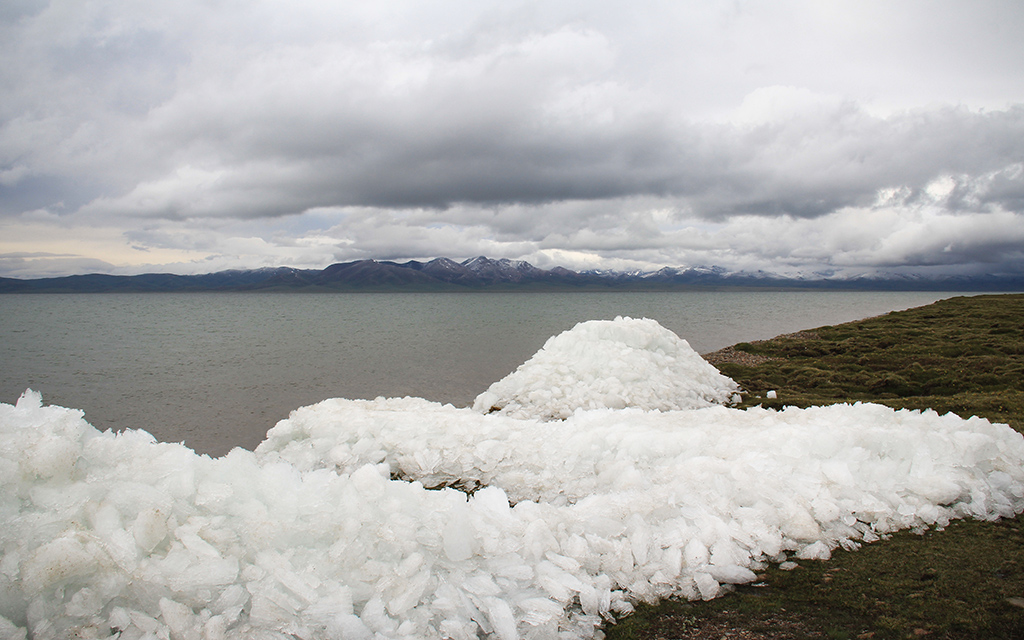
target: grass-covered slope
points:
(964, 355)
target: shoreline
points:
(962, 355)
(734, 354)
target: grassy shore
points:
(964, 355)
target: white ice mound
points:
(608, 364)
(310, 536)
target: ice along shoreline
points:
(306, 535)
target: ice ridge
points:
(330, 528)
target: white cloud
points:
(790, 135)
(766, 105)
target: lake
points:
(216, 370)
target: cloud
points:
(42, 265)
(311, 132)
(804, 167)
(919, 236)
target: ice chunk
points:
(696, 554)
(10, 631)
(179, 620)
(501, 618)
(816, 551)
(458, 538)
(51, 457)
(731, 574)
(349, 627)
(57, 561)
(149, 529)
(707, 586)
(798, 523)
(539, 611)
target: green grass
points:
(964, 355)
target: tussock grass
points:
(964, 355)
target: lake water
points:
(216, 370)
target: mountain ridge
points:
(487, 274)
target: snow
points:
(348, 522)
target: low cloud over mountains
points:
(480, 274)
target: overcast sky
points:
(786, 135)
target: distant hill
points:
(444, 274)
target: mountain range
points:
(481, 273)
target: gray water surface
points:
(216, 370)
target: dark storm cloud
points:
(808, 168)
(799, 167)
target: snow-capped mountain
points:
(445, 274)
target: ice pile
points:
(329, 529)
(605, 364)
